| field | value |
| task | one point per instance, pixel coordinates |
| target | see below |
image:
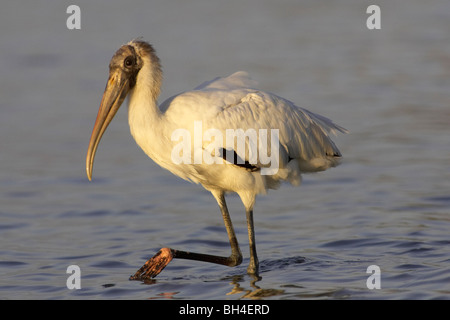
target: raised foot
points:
(154, 265)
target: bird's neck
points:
(143, 112)
(147, 122)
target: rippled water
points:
(388, 204)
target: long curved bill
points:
(116, 90)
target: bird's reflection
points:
(246, 290)
(253, 291)
(244, 285)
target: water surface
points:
(386, 205)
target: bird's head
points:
(124, 73)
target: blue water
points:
(388, 204)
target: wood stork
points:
(303, 143)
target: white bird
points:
(303, 143)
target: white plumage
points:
(232, 103)
(228, 103)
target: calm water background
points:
(388, 204)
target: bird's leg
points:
(159, 261)
(236, 256)
(253, 267)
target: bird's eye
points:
(128, 62)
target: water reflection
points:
(244, 286)
(255, 291)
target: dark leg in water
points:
(159, 261)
